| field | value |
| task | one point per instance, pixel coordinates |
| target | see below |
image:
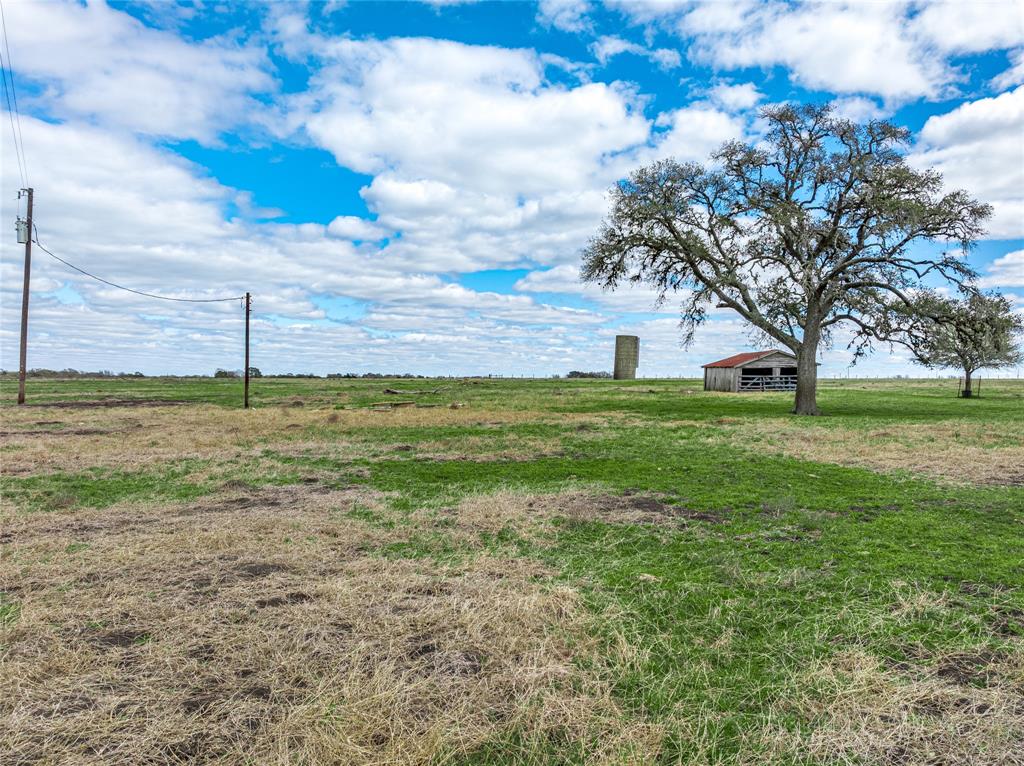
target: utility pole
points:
(24, 302)
(248, 310)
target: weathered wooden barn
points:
(771, 370)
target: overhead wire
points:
(14, 134)
(130, 289)
(14, 116)
(13, 112)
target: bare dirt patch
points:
(529, 514)
(272, 631)
(628, 508)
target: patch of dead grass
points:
(117, 438)
(259, 625)
(864, 710)
(957, 451)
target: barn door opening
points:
(754, 378)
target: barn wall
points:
(720, 378)
(773, 360)
(727, 378)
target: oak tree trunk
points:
(967, 384)
(807, 377)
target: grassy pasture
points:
(549, 572)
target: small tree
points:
(973, 333)
(801, 232)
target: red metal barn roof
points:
(737, 359)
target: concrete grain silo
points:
(627, 356)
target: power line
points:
(30, 240)
(8, 72)
(129, 289)
(10, 114)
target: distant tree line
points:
(581, 374)
(373, 375)
(70, 372)
(220, 372)
(254, 372)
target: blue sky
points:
(407, 186)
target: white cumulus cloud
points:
(93, 61)
(607, 47)
(1005, 271)
(896, 50)
(479, 157)
(979, 146)
(567, 15)
(735, 97)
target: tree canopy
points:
(974, 332)
(808, 229)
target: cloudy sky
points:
(407, 186)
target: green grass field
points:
(511, 572)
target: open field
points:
(551, 572)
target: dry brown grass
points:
(262, 626)
(58, 439)
(956, 451)
(965, 708)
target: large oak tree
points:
(807, 229)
